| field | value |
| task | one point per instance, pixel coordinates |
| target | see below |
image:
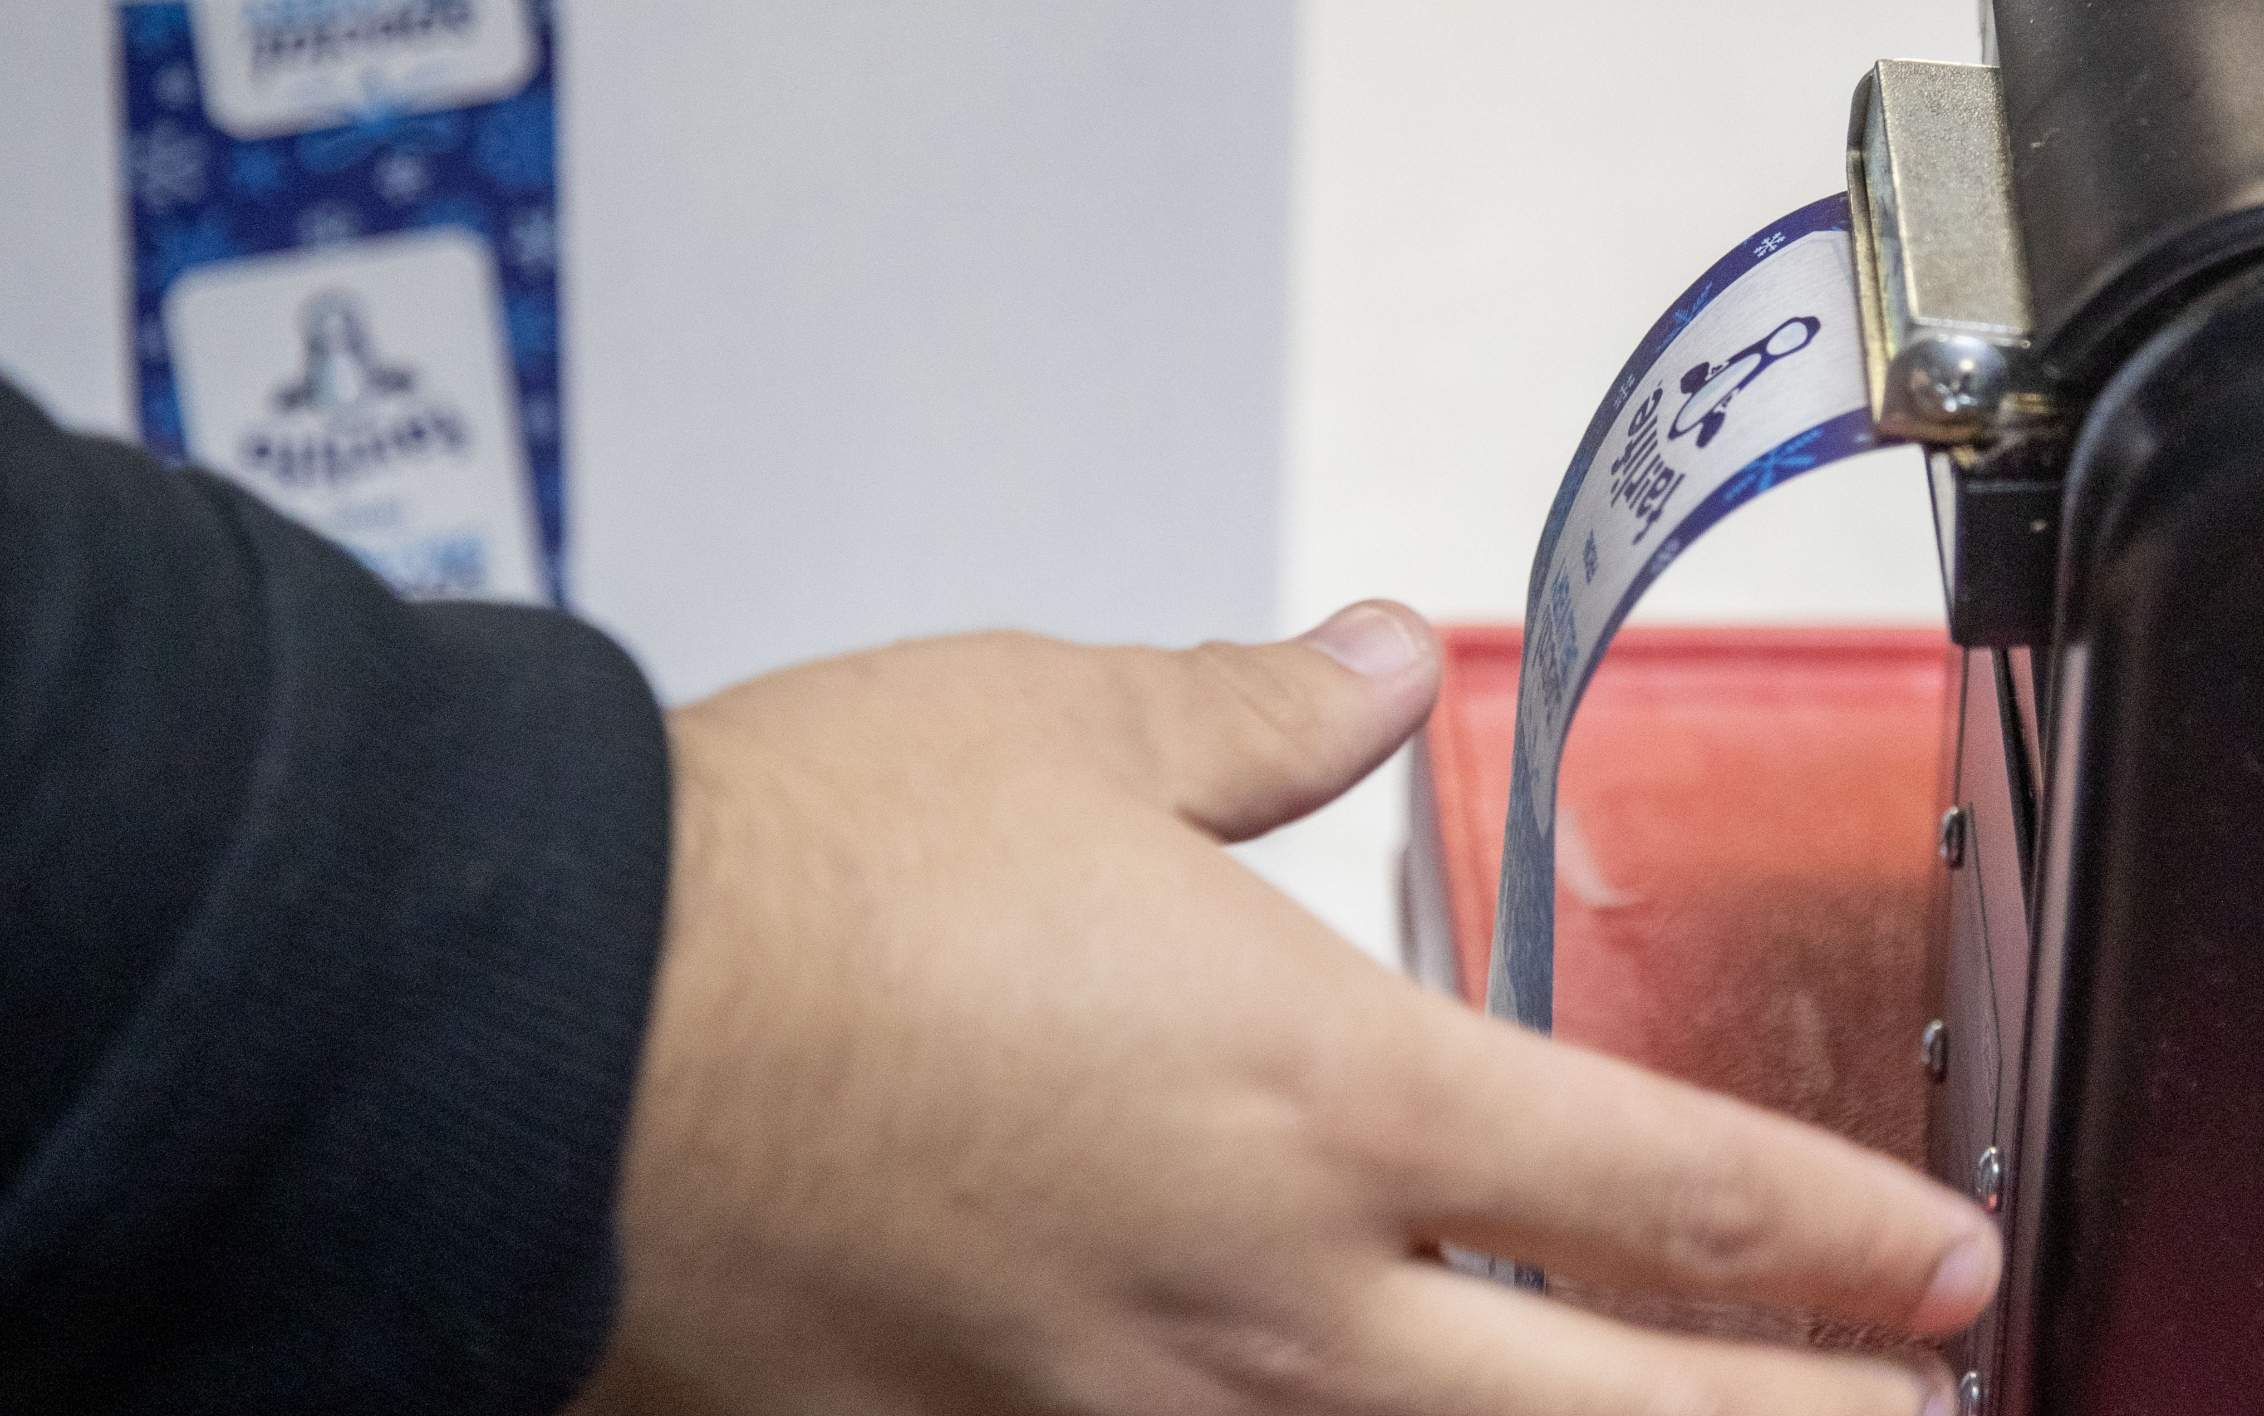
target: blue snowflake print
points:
(153, 29)
(538, 417)
(160, 411)
(533, 239)
(401, 177)
(178, 244)
(149, 340)
(1688, 310)
(1763, 472)
(176, 85)
(514, 144)
(328, 222)
(1554, 653)
(1769, 245)
(256, 169)
(1662, 558)
(380, 130)
(533, 327)
(1588, 557)
(166, 164)
(454, 211)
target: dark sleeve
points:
(327, 931)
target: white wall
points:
(62, 253)
(897, 317)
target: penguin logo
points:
(349, 414)
(1709, 388)
(341, 370)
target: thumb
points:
(1248, 737)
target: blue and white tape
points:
(1755, 376)
(344, 231)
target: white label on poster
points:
(270, 67)
(364, 388)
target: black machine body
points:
(2093, 404)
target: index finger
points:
(1552, 1155)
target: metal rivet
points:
(1989, 1179)
(1952, 842)
(1972, 1395)
(1934, 1049)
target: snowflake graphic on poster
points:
(515, 145)
(153, 29)
(256, 169)
(167, 166)
(401, 177)
(538, 416)
(161, 412)
(534, 239)
(176, 85)
(149, 338)
(532, 324)
(327, 222)
(174, 245)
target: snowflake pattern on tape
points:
(194, 194)
(1556, 644)
(1751, 378)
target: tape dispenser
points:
(2060, 261)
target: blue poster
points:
(343, 225)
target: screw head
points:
(1951, 843)
(1934, 1049)
(1954, 380)
(1972, 1395)
(1989, 1179)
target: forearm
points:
(332, 923)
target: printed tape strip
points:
(1752, 378)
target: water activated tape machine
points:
(2048, 272)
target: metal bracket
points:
(1940, 274)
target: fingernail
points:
(1367, 639)
(1943, 1402)
(1965, 1281)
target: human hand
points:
(981, 1079)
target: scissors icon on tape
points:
(1708, 388)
